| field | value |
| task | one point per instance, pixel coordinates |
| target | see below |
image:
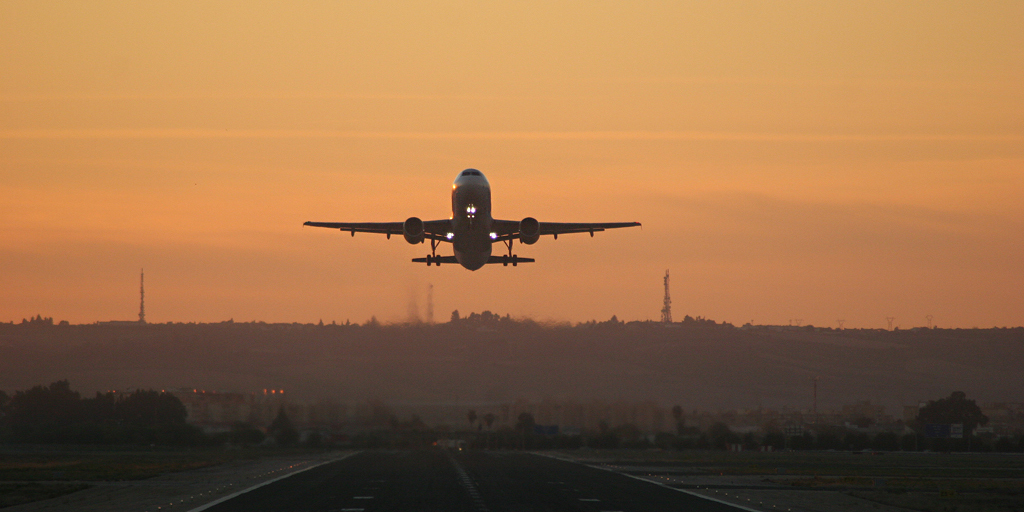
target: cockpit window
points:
(471, 172)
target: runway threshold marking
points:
(268, 482)
(684, 491)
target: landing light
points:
(451, 235)
(494, 236)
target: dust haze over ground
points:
(488, 358)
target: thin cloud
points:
(200, 133)
(236, 95)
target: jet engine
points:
(412, 230)
(529, 231)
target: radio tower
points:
(142, 296)
(666, 310)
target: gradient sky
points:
(789, 160)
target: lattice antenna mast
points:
(142, 296)
(666, 309)
(890, 320)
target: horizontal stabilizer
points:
(435, 259)
(505, 260)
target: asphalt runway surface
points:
(470, 481)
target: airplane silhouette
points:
(471, 230)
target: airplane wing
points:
(509, 229)
(432, 229)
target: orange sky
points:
(789, 160)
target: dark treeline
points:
(56, 414)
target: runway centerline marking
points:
(468, 485)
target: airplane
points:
(471, 230)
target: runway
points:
(469, 481)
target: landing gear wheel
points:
(430, 259)
(437, 261)
(504, 261)
(515, 260)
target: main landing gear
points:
(509, 257)
(432, 257)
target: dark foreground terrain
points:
(478, 480)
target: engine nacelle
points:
(412, 230)
(529, 231)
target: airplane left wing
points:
(432, 229)
(509, 229)
(558, 228)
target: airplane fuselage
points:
(471, 219)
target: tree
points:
(471, 416)
(525, 423)
(455, 316)
(282, 430)
(720, 436)
(954, 409)
(245, 434)
(677, 413)
(43, 408)
(489, 419)
(151, 409)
